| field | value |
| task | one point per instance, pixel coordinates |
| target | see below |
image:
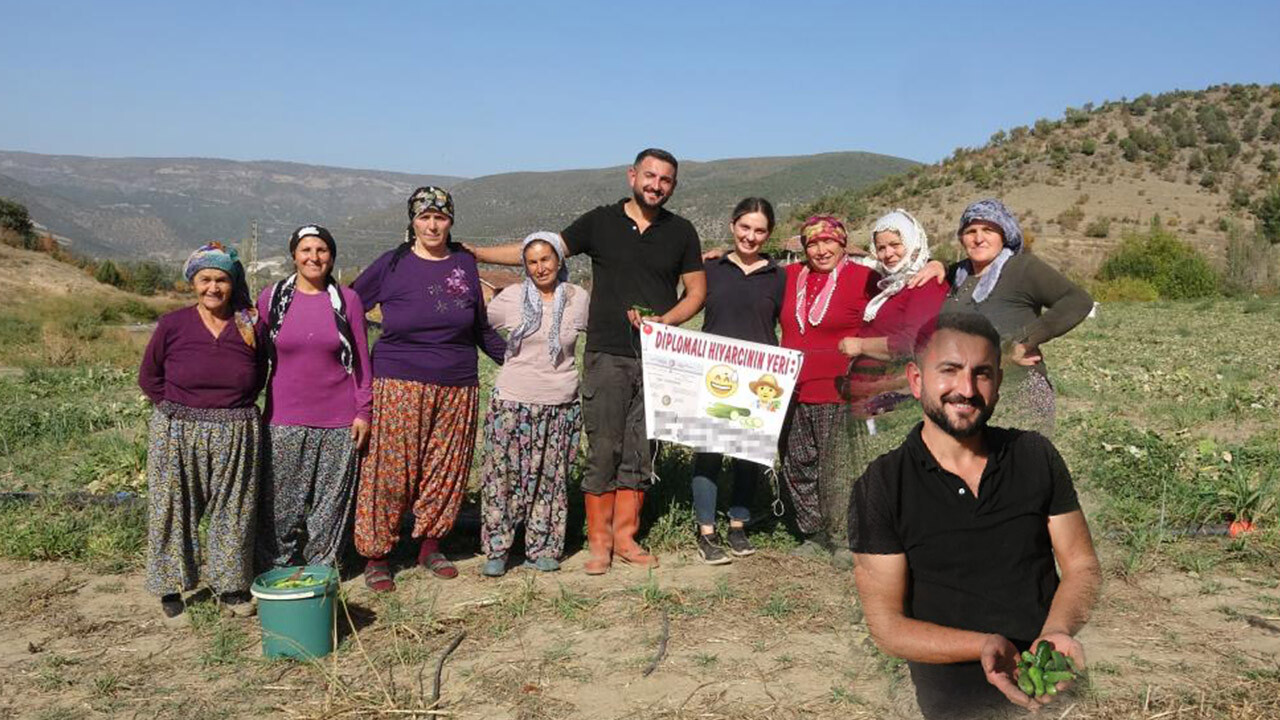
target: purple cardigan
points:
(433, 319)
(185, 364)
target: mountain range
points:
(160, 208)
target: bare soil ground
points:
(767, 637)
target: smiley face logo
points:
(722, 381)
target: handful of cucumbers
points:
(1040, 672)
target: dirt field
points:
(767, 637)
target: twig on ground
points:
(1262, 624)
(435, 686)
(662, 643)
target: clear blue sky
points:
(472, 88)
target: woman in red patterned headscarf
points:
(824, 302)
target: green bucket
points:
(298, 621)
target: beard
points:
(638, 195)
(937, 412)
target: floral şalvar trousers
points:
(202, 463)
(308, 494)
(529, 452)
(421, 443)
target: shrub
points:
(1124, 289)
(1070, 218)
(1088, 146)
(1099, 227)
(1173, 267)
(1131, 150)
(14, 217)
(1249, 267)
(108, 274)
(1267, 211)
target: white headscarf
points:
(915, 246)
(531, 300)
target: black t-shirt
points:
(741, 306)
(983, 564)
(629, 268)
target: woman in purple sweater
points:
(318, 406)
(202, 370)
(425, 388)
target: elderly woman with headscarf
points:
(318, 406)
(823, 303)
(894, 317)
(425, 388)
(202, 371)
(1029, 302)
(534, 419)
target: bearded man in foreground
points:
(956, 532)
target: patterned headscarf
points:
(282, 296)
(430, 198)
(992, 211)
(531, 300)
(818, 227)
(823, 227)
(214, 255)
(915, 246)
(423, 199)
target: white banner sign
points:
(714, 393)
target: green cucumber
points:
(1025, 684)
(1037, 679)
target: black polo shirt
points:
(741, 306)
(630, 268)
(983, 564)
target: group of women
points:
(347, 443)
(856, 320)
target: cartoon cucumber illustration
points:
(725, 411)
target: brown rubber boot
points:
(626, 523)
(600, 515)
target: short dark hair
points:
(966, 323)
(752, 205)
(657, 154)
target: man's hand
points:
(1025, 355)
(1068, 646)
(360, 433)
(933, 270)
(999, 660)
(636, 319)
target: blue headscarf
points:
(531, 300)
(992, 211)
(215, 255)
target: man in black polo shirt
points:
(955, 534)
(640, 253)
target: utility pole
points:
(253, 259)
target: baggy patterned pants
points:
(420, 447)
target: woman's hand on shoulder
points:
(850, 347)
(933, 270)
(1024, 355)
(714, 253)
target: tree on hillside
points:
(14, 217)
(146, 278)
(1267, 211)
(108, 274)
